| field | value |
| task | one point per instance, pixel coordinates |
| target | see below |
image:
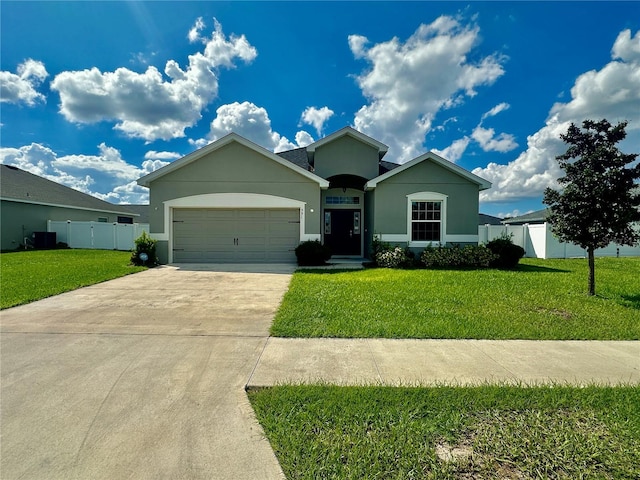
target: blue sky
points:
(97, 94)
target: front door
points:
(342, 231)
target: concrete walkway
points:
(458, 362)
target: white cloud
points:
(109, 162)
(316, 117)
(21, 87)
(487, 138)
(626, 48)
(34, 158)
(151, 105)
(168, 156)
(512, 213)
(408, 83)
(454, 152)
(303, 138)
(129, 193)
(253, 123)
(199, 142)
(501, 107)
(194, 33)
(612, 92)
(489, 142)
(106, 176)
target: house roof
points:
(430, 156)
(387, 166)
(20, 186)
(226, 140)
(484, 219)
(538, 216)
(351, 132)
(297, 156)
(141, 210)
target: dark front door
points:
(342, 231)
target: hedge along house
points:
(234, 201)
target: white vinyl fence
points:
(538, 242)
(98, 235)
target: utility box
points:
(44, 239)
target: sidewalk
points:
(457, 362)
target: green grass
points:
(543, 299)
(489, 431)
(32, 275)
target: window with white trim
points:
(426, 217)
(426, 221)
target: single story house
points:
(28, 201)
(234, 201)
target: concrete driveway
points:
(140, 377)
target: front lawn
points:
(32, 275)
(542, 299)
(452, 432)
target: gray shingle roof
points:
(539, 216)
(387, 166)
(484, 219)
(297, 156)
(142, 210)
(16, 184)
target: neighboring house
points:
(28, 201)
(484, 219)
(533, 218)
(141, 210)
(234, 201)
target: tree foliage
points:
(598, 201)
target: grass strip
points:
(32, 275)
(452, 432)
(541, 300)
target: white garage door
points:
(235, 235)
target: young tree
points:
(599, 199)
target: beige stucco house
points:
(234, 201)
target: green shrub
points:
(507, 253)
(378, 246)
(395, 257)
(469, 256)
(312, 253)
(386, 255)
(145, 247)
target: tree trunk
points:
(592, 271)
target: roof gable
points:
(381, 147)
(21, 186)
(430, 156)
(226, 140)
